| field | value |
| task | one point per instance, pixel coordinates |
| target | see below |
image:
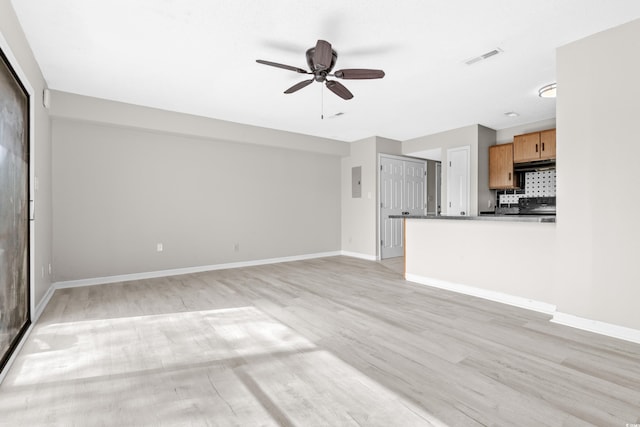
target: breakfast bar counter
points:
(506, 218)
(506, 258)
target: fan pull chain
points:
(321, 102)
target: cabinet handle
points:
(536, 148)
(543, 146)
(509, 176)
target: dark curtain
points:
(14, 210)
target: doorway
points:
(402, 191)
(458, 181)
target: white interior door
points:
(403, 183)
(415, 187)
(391, 202)
(458, 181)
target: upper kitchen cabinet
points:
(534, 146)
(501, 176)
(548, 144)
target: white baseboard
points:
(35, 315)
(602, 328)
(187, 270)
(521, 302)
(16, 351)
(359, 255)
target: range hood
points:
(539, 165)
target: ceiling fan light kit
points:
(321, 59)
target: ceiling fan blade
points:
(359, 73)
(299, 86)
(339, 89)
(286, 67)
(323, 55)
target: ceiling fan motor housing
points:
(320, 75)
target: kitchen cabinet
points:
(534, 146)
(548, 144)
(501, 176)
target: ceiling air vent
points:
(484, 56)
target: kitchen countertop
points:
(490, 217)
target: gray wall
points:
(478, 138)
(505, 136)
(120, 190)
(360, 223)
(486, 197)
(432, 203)
(598, 150)
(15, 41)
(359, 229)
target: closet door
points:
(391, 203)
(415, 187)
(403, 183)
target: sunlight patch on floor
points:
(93, 348)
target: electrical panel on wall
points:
(356, 182)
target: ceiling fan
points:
(321, 60)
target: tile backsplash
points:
(536, 184)
(540, 184)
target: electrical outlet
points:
(159, 247)
(49, 269)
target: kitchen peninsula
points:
(491, 217)
(509, 259)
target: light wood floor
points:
(333, 341)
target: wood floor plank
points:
(332, 341)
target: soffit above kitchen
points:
(198, 57)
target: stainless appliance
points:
(537, 206)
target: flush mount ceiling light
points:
(548, 91)
(511, 114)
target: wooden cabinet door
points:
(501, 167)
(526, 148)
(548, 144)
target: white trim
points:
(187, 270)
(521, 302)
(359, 255)
(15, 64)
(35, 315)
(598, 327)
(602, 328)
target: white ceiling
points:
(198, 57)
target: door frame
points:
(31, 309)
(378, 195)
